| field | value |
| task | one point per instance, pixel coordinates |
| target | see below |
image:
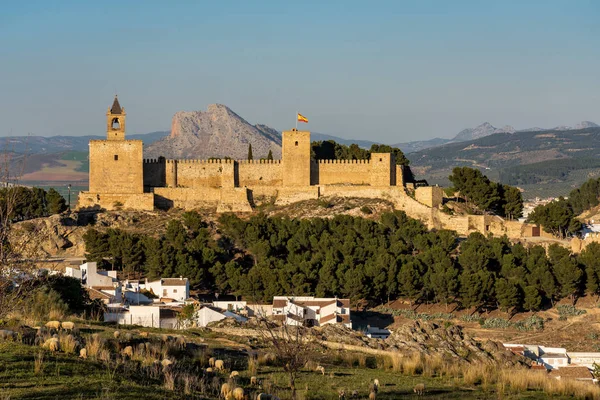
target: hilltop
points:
(217, 132)
(555, 161)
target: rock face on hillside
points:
(480, 131)
(424, 337)
(218, 132)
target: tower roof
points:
(116, 107)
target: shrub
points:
(568, 310)
(366, 210)
(46, 304)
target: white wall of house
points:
(92, 276)
(230, 305)
(175, 292)
(206, 315)
(132, 297)
(260, 310)
(585, 359)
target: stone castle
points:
(121, 179)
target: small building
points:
(177, 289)
(151, 316)
(208, 314)
(230, 305)
(311, 311)
(91, 276)
(374, 332)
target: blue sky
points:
(389, 71)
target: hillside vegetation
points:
(518, 158)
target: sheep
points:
(354, 394)
(211, 361)
(128, 337)
(52, 344)
(219, 365)
(376, 383)
(6, 334)
(229, 396)
(225, 389)
(67, 325)
(209, 370)
(180, 342)
(321, 369)
(166, 363)
(372, 396)
(116, 334)
(144, 334)
(419, 389)
(53, 325)
(342, 394)
(83, 353)
(234, 374)
(127, 352)
(253, 381)
(238, 393)
(264, 396)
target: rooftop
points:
(116, 107)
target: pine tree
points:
(55, 202)
(250, 157)
(270, 155)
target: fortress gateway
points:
(121, 179)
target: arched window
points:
(115, 124)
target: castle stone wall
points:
(341, 172)
(259, 173)
(115, 201)
(431, 196)
(383, 169)
(202, 173)
(155, 173)
(116, 166)
(295, 158)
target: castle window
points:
(115, 124)
(381, 159)
(296, 143)
(116, 157)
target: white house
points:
(230, 305)
(585, 359)
(151, 316)
(374, 332)
(177, 289)
(91, 276)
(207, 314)
(311, 311)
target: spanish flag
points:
(302, 118)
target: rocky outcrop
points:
(428, 338)
(217, 132)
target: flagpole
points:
(296, 120)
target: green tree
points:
(250, 157)
(507, 294)
(590, 258)
(532, 300)
(270, 155)
(55, 202)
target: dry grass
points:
(252, 365)
(68, 344)
(94, 344)
(170, 378)
(38, 363)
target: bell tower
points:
(115, 121)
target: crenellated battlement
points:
(344, 161)
(258, 161)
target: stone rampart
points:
(115, 201)
(259, 173)
(116, 166)
(342, 172)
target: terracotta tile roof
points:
(173, 282)
(116, 107)
(344, 303)
(279, 303)
(103, 287)
(98, 295)
(327, 318)
(571, 373)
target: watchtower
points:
(116, 164)
(295, 158)
(115, 121)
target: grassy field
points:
(66, 376)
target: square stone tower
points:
(116, 164)
(295, 158)
(383, 169)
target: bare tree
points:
(292, 345)
(12, 267)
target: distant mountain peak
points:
(480, 131)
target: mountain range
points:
(483, 130)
